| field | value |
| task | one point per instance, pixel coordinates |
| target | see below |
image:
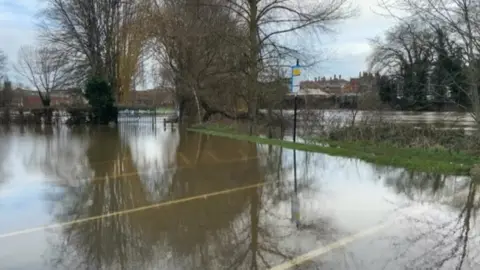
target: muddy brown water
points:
(134, 197)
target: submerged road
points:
(128, 198)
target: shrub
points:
(99, 94)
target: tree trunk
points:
(47, 111)
(253, 66)
(197, 102)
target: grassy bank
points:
(418, 159)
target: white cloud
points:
(350, 46)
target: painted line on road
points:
(309, 256)
(167, 169)
(175, 168)
(213, 156)
(184, 158)
(244, 156)
(326, 249)
(133, 210)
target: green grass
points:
(165, 110)
(417, 159)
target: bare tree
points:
(190, 45)
(267, 20)
(3, 64)
(406, 53)
(237, 42)
(102, 37)
(461, 18)
(6, 98)
(46, 68)
(4, 91)
(131, 46)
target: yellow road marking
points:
(184, 158)
(323, 250)
(167, 169)
(129, 211)
(156, 171)
(244, 156)
(213, 156)
(340, 243)
(179, 153)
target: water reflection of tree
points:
(199, 231)
(239, 230)
(130, 241)
(267, 241)
(56, 152)
(439, 238)
(5, 141)
(113, 241)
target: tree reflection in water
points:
(440, 238)
(240, 230)
(5, 138)
(246, 229)
(107, 241)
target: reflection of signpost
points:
(295, 201)
(295, 209)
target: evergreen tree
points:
(440, 77)
(459, 84)
(386, 89)
(100, 97)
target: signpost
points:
(295, 86)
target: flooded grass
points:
(418, 159)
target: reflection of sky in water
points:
(149, 151)
(29, 158)
(31, 161)
(352, 193)
(336, 187)
(154, 156)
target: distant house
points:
(31, 99)
(151, 97)
(331, 86)
(338, 86)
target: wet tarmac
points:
(136, 198)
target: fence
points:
(64, 115)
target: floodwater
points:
(134, 197)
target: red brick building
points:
(31, 99)
(152, 97)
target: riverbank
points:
(434, 159)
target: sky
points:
(344, 52)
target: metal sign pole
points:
(295, 201)
(294, 118)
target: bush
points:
(406, 135)
(99, 94)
